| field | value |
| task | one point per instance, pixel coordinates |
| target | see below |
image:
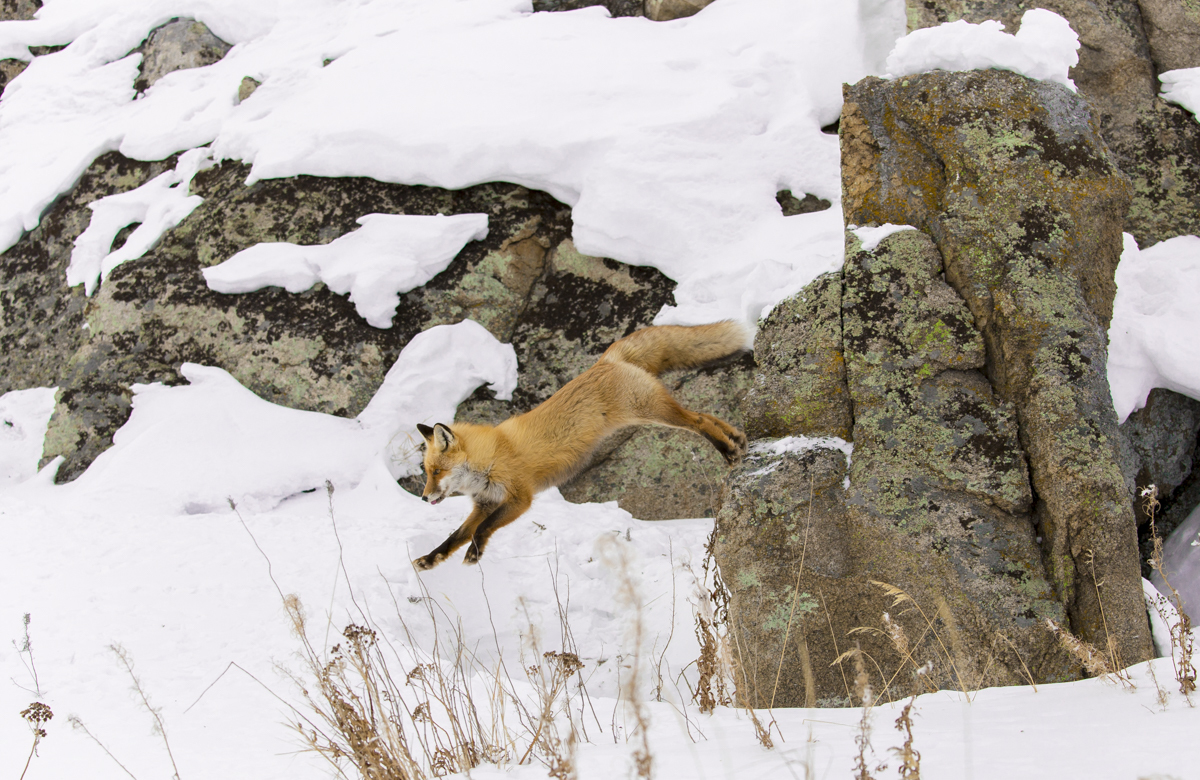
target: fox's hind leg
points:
(657, 405)
(508, 511)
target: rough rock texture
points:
(1160, 445)
(18, 10)
(1155, 143)
(1011, 179)
(176, 46)
(666, 10)
(799, 386)
(9, 70)
(1173, 32)
(41, 319)
(938, 505)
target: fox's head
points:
(445, 457)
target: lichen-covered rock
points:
(41, 319)
(1159, 444)
(1011, 179)
(178, 45)
(666, 10)
(799, 386)
(784, 548)
(1156, 144)
(925, 419)
(936, 502)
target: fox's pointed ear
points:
(443, 436)
(425, 431)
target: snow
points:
(24, 417)
(669, 141)
(1182, 86)
(391, 254)
(1152, 339)
(1044, 48)
(158, 205)
(870, 237)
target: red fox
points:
(502, 467)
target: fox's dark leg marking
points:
(457, 539)
(509, 511)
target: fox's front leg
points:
(464, 534)
(510, 510)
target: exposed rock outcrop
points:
(935, 502)
(800, 383)
(178, 45)
(1125, 44)
(1013, 182)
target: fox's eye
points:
(436, 472)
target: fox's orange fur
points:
(502, 467)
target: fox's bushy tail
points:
(669, 347)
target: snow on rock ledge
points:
(1044, 48)
(390, 255)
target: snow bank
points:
(389, 255)
(190, 449)
(668, 140)
(1045, 48)
(1152, 339)
(1182, 87)
(24, 416)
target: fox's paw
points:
(427, 562)
(473, 555)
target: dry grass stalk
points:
(1182, 638)
(615, 555)
(899, 597)
(862, 688)
(159, 727)
(1096, 663)
(25, 648)
(77, 723)
(795, 599)
(36, 715)
(910, 757)
(715, 664)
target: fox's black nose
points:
(425, 498)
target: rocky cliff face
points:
(987, 487)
